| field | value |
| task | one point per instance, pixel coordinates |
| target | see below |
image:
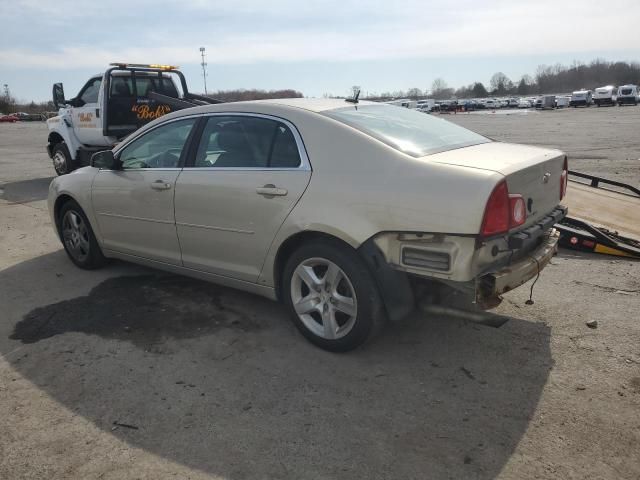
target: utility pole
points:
(204, 70)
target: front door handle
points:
(160, 185)
(270, 190)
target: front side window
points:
(90, 92)
(246, 142)
(162, 147)
(407, 130)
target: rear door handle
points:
(160, 185)
(271, 191)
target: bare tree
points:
(414, 93)
(500, 83)
(440, 90)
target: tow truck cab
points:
(109, 107)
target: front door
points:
(134, 205)
(86, 117)
(231, 199)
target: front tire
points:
(78, 238)
(62, 161)
(331, 295)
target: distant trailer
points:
(581, 98)
(562, 101)
(605, 95)
(548, 102)
(628, 95)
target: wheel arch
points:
(57, 206)
(393, 285)
(60, 135)
(290, 245)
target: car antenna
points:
(355, 97)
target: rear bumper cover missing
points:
(514, 275)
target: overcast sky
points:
(314, 47)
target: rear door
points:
(247, 174)
(134, 205)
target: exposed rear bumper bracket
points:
(532, 233)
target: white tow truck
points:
(110, 106)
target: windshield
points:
(409, 131)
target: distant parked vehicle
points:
(425, 105)
(538, 102)
(9, 118)
(524, 103)
(562, 101)
(490, 103)
(403, 102)
(605, 95)
(627, 95)
(581, 98)
(549, 102)
(513, 103)
(30, 117)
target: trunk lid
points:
(532, 172)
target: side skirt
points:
(261, 290)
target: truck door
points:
(86, 115)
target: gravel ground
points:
(127, 372)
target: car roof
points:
(312, 104)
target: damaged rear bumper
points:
(512, 276)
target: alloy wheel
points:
(75, 235)
(324, 299)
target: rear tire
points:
(78, 238)
(62, 161)
(331, 295)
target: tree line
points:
(556, 78)
(253, 94)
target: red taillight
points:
(564, 178)
(503, 211)
(496, 213)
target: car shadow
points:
(220, 380)
(26, 191)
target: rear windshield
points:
(409, 131)
(122, 86)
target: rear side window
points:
(246, 142)
(285, 149)
(122, 86)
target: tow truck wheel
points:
(61, 159)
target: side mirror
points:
(105, 160)
(58, 95)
